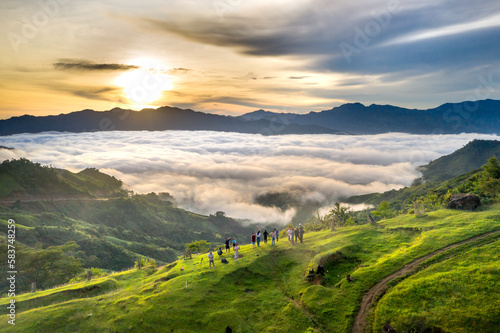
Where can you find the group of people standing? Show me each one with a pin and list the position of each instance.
(297, 233)
(255, 239)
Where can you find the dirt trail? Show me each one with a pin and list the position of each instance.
(369, 297)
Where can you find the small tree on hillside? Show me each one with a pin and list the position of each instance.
(338, 215)
(198, 246)
(383, 210)
(492, 168)
(317, 222)
(220, 214)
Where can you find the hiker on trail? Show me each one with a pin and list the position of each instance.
(236, 248)
(277, 234)
(219, 251)
(234, 242)
(289, 232)
(258, 237)
(253, 240)
(265, 236)
(296, 234)
(227, 241)
(211, 260)
(301, 233)
(273, 236)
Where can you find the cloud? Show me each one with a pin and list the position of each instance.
(100, 93)
(407, 37)
(83, 65)
(210, 171)
(178, 71)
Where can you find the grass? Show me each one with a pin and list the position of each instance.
(461, 294)
(267, 291)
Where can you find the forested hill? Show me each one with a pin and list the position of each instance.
(25, 179)
(455, 172)
(88, 216)
(472, 156)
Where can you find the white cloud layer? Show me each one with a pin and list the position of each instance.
(209, 171)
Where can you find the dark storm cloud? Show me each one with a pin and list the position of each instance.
(367, 37)
(83, 65)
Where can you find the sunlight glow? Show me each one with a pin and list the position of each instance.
(145, 84)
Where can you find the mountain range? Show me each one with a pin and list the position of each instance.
(354, 118)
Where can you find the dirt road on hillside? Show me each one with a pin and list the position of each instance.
(369, 297)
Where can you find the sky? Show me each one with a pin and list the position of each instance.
(211, 171)
(234, 56)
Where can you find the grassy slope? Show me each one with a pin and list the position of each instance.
(472, 156)
(468, 289)
(266, 290)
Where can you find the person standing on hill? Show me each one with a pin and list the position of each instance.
(234, 242)
(289, 232)
(296, 234)
(253, 240)
(301, 233)
(236, 249)
(277, 234)
(211, 260)
(227, 241)
(273, 236)
(265, 236)
(258, 238)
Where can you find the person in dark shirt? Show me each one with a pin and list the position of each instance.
(265, 235)
(301, 233)
(253, 240)
(227, 241)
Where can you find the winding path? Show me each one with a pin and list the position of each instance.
(369, 297)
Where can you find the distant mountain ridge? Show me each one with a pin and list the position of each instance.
(163, 118)
(354, 118)
(451, 118)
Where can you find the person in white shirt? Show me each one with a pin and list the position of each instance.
(289, 231)
(211, 260)
(236, 248)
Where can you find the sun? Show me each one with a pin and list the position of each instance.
(145, 84)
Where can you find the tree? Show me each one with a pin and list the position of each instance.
(317, 222)
(220, 214)
(492, 168)
(198, 246)
(50, 266)
(383, 210)
(338, 215)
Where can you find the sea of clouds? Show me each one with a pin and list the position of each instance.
(210, 171)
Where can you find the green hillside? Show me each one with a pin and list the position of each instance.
(110, 227)
(470, 157)
(23, 179)
(267, 290)
(112, 234)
